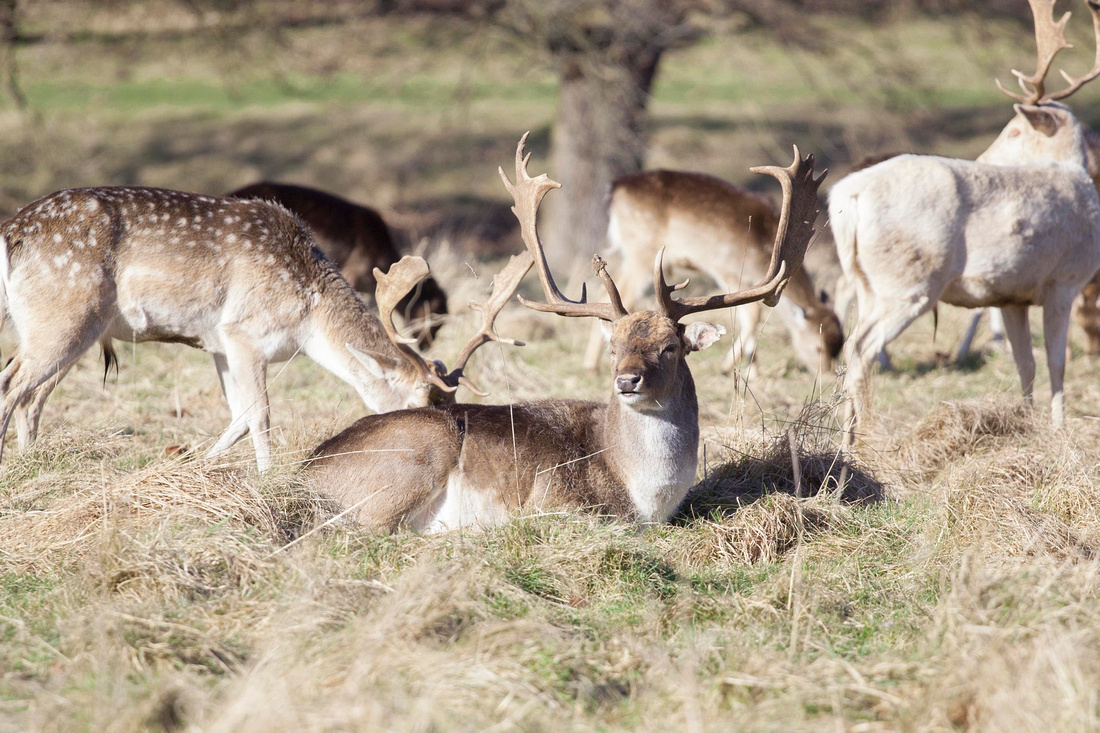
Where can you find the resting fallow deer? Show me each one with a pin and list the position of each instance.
(240, 279)
(357, 240)
(440, 468)
(726, 232)
(1019, 226)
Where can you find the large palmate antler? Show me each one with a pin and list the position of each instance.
(392, 286)
(1050, 38)
(405, 274)
(792, 237)
(527, 193)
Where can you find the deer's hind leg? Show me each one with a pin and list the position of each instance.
(1019, 338)
(880, 322)
(48, 348)
(1057, 308)
(29, 411)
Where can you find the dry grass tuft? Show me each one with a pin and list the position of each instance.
(164, 494)
(754, 507)
(818, 466)
(762, 531)
(50, 467)
(1009, 660)
(953, 430)
(1022, 501)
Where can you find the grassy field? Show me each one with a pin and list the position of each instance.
(141, 588)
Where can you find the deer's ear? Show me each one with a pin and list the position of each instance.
(606, 329)
(369, 362)
(700, 335)
(1046, 120)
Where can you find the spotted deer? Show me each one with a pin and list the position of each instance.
(240, 279)
(1020, 226)
(357, 240)
(725, 232)
(440, 468)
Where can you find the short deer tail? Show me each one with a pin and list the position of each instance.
(110, 358)
(844, 221)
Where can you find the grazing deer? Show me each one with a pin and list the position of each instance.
(357, 240)
(440, 468)
(240, 279)
(1019, 226)
(726, 232)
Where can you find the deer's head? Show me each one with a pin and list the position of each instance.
(1043, 130)
(649, 348)
(421, 382)
(819, 335)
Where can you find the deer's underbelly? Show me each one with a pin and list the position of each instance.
(465, 506)
(975, 292)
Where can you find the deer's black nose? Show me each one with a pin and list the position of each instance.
(628, 382)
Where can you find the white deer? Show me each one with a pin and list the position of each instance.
(240, 279)
(1018, 227)
(635, 456)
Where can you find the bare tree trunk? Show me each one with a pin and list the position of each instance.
(598, 136)
(9, 32)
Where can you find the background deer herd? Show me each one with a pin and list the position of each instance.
(242, 278)
(619, 535)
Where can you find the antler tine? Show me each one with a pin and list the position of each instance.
(1075, 84)
(1050, 38)
(504, 284)
(600, 268)
(392, 287)
(792, 237)
(528, 193)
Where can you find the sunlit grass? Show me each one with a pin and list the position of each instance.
(142, 587)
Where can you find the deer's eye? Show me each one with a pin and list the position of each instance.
(670, 349)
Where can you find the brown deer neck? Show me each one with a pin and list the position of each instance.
(655, 453)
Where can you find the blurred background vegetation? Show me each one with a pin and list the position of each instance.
(409, 105)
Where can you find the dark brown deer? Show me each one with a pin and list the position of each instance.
(635, 456)
(357, 240)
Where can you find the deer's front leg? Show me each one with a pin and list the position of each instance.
(1019, 338)
(1056, 312)
(744, 342)
(242, 372)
